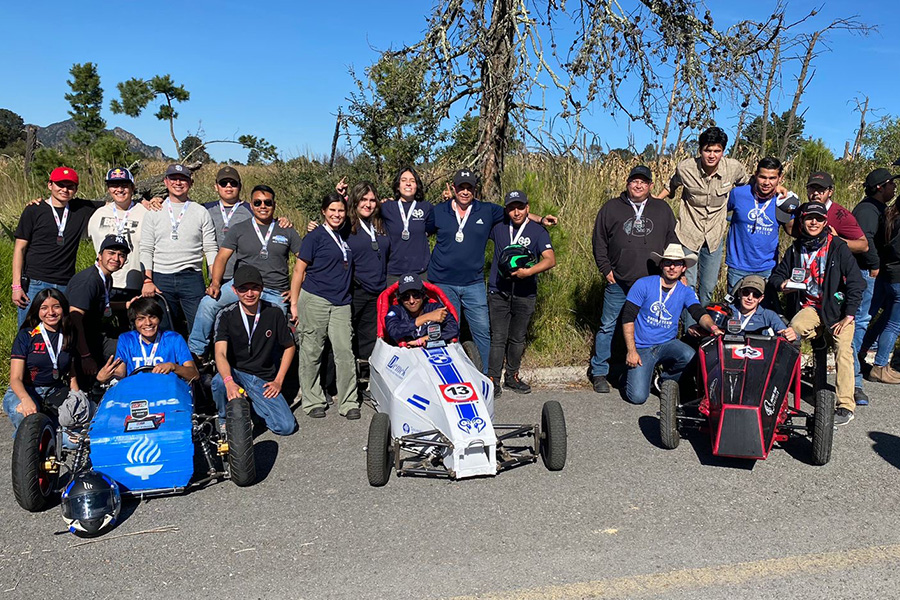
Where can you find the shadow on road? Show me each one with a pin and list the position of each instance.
(698, 440)
(266, 452)
(887, 446)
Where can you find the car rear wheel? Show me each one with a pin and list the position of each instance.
(823, 427)
(669, 397)
(554, 439)
(34, 480)
(472, 352)
(239, 432)
(378, 450)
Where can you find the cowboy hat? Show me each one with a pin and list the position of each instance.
(676, 252)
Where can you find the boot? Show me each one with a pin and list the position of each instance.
(884, 374)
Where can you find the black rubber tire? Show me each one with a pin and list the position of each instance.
(823, 427)
(378, 450)
(35, 442)
(472, 352)
(669, 398)
(239, 433)
(554, 439)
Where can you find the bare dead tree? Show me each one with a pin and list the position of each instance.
(774, 70)
(672, 100)
(862, 108)
(334, 140)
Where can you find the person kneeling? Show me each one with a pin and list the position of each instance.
(254, 349)
(650, 323)
(410, 323)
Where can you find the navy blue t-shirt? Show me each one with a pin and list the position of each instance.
(462, 263)
(412, 255)
(535, 238)
(753, 234)
(369, 266)
(29, 346)
(326, 275)
(657, 319)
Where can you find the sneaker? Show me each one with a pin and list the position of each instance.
(498, 390)
(884, 374)
(318, 412)
(842, 416)
(601, 385)
(352, 415)
(515, 384)
(859, 396)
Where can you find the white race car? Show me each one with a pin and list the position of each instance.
(435, 412)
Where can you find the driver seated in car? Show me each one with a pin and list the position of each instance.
(753, 318)
(409, 320)
(147, 346)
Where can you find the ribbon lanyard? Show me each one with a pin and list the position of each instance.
(264, 251)
(745, 320)
(175, 223)
(120, 225)
(107, 311)
(148, 360)
(808, 263)
(336, 241)
(54, 356)
(669, 295)
(226, 218)
(461, 221)
(60, 225)
(245, 319)
(638, 212)
(405, 218)
(371, 232)
(514, 238)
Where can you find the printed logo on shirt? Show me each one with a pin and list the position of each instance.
(638, 227)
(662, 314)
(268, 333)
(280, 239)
(525, 241)
(418, 214)
(759, 221)
(128, 227)
(479, 222)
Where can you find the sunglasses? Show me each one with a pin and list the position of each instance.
(815, 218)
(751, 292)
(411, 296)
(267, 202)
(68, 185)
(229, 183)
(118, 184)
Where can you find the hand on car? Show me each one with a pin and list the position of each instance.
(789, 334)
(418, 341)
(149, 289)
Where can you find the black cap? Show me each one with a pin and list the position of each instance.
(821, 179)
(786, 209)
(228, 172)
(410, 281)
(879, 177)
(813, 208)
(178, 170)
(245, 274)
(465, 176)
(641, 171)
(515, 196)
(119, 242)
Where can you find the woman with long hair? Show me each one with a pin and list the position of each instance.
(408, 220)
(41, 365)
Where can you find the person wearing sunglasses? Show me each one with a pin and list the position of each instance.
(409, 321)
(754, 318)
(821, 279)
(228, 210)
(262, 242)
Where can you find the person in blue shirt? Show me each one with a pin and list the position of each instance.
(511, 300)
(408, 321)
(754, 318)
(650, 323)
(408, 221)
(148, 346)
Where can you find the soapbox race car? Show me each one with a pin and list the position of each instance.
(144, 435)
(435, 411)
(744, 381)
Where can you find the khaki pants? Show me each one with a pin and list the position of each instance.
(808, 325)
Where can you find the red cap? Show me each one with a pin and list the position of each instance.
(64, 174)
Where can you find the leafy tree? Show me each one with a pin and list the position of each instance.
(12, 127)
(136, 94)
(260, 149)
(814, 155)
(112, 151)
(776, 128)
(193, 147)
(881, 141)
(86, 100)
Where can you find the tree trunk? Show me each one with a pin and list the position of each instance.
(334, 140)
(665, 133)
(857, 144)
(770, 84)
(30, 145)
(497, 76)
(801, 87)
(737, 134)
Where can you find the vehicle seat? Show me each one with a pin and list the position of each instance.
(388, 298)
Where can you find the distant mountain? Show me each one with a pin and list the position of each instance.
(57, 136)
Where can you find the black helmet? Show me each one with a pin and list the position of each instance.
(515, 257)
(91, 503)
(719, 313)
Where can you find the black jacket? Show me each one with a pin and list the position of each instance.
(841, 275)
(869, 214)
(625, 250)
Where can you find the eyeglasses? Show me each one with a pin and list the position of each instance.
(267, 202)
(411, 296)
(229, 183)
(751, 292)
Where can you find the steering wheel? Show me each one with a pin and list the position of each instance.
(144, 369)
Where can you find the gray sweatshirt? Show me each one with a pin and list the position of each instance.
(196, 237)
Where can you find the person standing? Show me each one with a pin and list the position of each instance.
(408, 221)
(628, 230)
(228, 211)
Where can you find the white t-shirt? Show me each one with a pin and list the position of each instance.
(103, 223)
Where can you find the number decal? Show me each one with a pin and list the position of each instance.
(459, 392)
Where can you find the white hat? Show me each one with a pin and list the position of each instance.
(676, 252)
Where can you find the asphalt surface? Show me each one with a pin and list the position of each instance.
(624, 519)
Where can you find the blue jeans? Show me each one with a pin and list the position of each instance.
(673, 355)
(11, 404)
(274, 411)
(887, 327)
(183, 291)
(613, 301)
(210, 307)
(473, 300)
(35, 286)
(863, 318)
(707, 271)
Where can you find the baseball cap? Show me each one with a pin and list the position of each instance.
(408, 282)
(879, 177)
(465, 176)
(119, 242)
(641, 171)
(228, 172)
(178, 170)
(119, 174)
(515, 196)
(754, 282)
(821, 179)
(64, 174)
(786, 209)
(813, 208)
(245, 274)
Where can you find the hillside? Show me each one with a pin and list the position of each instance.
(57, 135)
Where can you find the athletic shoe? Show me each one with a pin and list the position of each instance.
(884, 374)
(353, 414)
(842, 416)
(515, 384)
(318, 412)
(498, 390)
(860, 397)
(601, 385)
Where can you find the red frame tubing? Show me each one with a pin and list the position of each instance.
(388, 298)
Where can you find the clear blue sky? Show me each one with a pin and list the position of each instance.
(280, 69)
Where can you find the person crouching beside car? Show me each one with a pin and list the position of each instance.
(511, 298)
(650, 323)
(409, 321)
(819, 270)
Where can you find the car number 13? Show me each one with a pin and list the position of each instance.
(458, 392)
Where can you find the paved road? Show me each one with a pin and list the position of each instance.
(624, 519)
